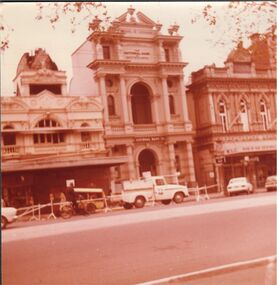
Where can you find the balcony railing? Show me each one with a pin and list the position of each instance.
(145, 128)
(89, 146)
(10, 149)
(42, 149)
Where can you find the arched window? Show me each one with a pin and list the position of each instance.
(9, 138)
(47, 123)
(263, 112)
(48, 137)
(111, 105)
(244, 116)
(171, 105)
(147, 162)
(141, 104)
(223, 115)
(85, 136)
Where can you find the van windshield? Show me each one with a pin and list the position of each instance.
(160, 181)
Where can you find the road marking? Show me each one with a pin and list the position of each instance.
(131, 218)
(220, 269)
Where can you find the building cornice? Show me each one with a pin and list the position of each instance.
(103, 62)
(249, 80)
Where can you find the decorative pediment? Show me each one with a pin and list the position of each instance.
(138, 18)
(45, 100)
(83, 104)
(13, 104)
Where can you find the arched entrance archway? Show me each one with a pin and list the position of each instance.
(141, 104)
(147, 162)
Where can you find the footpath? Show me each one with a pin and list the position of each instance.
(33, 219)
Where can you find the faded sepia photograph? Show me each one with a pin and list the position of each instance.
(138, 143)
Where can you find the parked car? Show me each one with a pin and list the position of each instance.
(238, 185)
(271, 183)
(8, 215)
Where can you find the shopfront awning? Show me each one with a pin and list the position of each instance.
(60, 161)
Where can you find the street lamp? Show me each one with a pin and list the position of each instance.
(219, 159)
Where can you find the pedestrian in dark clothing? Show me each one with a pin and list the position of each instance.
(71, 196)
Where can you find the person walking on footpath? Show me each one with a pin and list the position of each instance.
(71, 196)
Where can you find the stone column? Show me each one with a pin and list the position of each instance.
(184, 104)
(129, 102)
(165, 100)
(104, 98)
(131, 164)
(212, 110)
(190, 161)
(124, 103)
(119, 50)
(156, 108)
(172, 166)
(161, 52)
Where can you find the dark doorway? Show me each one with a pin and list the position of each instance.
(147, 162)
(141, 104)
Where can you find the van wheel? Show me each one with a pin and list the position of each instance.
(139, 202)
(166, 202)
(178, 197)
(4, 223)
(90, 208)
(127, 206)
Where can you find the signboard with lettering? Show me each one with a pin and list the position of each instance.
(149, 139)
(220, 159)
(249, 146)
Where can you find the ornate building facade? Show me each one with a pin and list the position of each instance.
(235, 115)
(49, 137)
(138, 74)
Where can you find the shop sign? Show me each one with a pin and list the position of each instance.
(70, 182)
(220, 159)
(137, 53)
(250, 146)
(149, 139)
(211, 174)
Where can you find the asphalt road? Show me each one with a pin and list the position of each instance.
(133, 249)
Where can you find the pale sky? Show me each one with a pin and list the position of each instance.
(60, 43)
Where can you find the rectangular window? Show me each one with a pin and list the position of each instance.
(61, 136)
(35, 138)
(42, 138)
(49, 138)
(106, 52)
(264, 120)
(55, 138)
(166, 53)
(223, 122)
